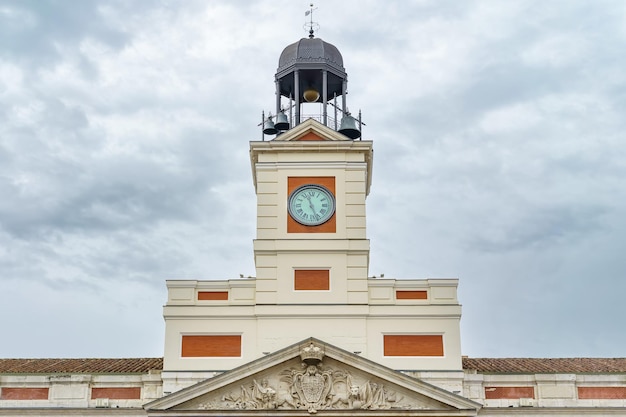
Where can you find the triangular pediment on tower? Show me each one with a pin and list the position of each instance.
(311, 129)
(313, 377)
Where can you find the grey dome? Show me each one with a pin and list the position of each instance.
(311, 71)
(310, 51)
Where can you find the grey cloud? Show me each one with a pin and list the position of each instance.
(32, 31)
(540, 228)
(108, 195)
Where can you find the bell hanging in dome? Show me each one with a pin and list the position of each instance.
(268, 127)
(311, 95)
(349, 127)
(282, 123)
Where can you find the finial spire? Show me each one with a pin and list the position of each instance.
(311, 25)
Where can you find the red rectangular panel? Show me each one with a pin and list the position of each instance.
(602, 393)
(310, 136)
(8, 393)
(411, 295)
(509, 393)
(211, 346)
(413, 345)
(117, 393)
(212, 295)
(311, 279)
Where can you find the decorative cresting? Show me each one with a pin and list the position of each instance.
(313, 387)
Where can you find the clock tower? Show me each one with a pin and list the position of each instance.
(311, 247)
(312, 173)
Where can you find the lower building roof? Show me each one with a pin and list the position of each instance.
(545, 365)
(479, 365)
(89, 365)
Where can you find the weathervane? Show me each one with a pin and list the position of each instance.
(311, 25)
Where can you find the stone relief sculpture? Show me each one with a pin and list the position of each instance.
(310, 387)
(313, 387)
(264, 394)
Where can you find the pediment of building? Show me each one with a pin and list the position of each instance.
(313, 377)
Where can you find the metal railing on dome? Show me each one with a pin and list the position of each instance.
(330, 121)
(347, 125)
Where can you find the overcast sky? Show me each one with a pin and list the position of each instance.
(500, 158)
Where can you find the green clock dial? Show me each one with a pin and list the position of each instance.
(311, 204)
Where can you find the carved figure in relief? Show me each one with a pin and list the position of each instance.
(376, 397)
(287, 395)
(264, 395)
(345, 394)
(240, 401)
(286, 399)
(354, 397)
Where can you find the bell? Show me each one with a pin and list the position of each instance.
(349, 127)
(311, 95)
(282, 123)
(269, 128)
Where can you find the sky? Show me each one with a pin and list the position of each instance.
(500, 159)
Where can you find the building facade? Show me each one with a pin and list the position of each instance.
(312, 332)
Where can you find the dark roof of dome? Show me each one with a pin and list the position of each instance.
(311, 50)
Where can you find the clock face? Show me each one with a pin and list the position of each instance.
(311, 204)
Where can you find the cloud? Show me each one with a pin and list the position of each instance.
(40, 33)
(541, 228)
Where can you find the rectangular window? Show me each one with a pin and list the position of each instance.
(411, 295)
(117, 393)
(413, 345)
(8, 393)
(218, 346)
(311, 279)
(212, 295)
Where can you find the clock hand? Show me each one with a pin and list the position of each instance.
(310, 203)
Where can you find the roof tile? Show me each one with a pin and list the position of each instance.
(545, 365)
(481, 365)
(91, 365)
